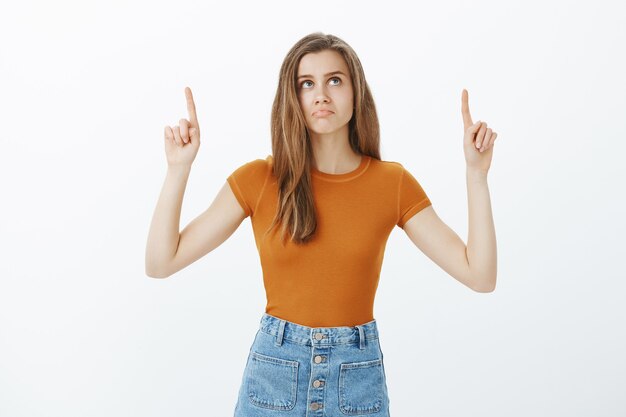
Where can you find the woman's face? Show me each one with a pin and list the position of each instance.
(324, 83)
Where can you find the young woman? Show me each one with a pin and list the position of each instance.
(322, 207)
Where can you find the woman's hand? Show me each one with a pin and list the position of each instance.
(182, 143)
(477, 140)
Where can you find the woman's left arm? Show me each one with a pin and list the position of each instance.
(481, 241)
(474, 264)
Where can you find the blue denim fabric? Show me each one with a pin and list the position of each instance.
(299, 371)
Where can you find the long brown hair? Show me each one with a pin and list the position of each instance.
(291, 144)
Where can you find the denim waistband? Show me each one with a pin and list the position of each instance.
(318, 336)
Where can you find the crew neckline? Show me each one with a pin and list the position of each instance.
(365, 161)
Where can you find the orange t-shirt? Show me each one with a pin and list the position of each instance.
(331, 280)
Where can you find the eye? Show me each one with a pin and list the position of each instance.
(308, 81)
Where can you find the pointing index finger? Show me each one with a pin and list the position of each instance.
(467, 118)
(191, 107)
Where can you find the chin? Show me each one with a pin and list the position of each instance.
(323, 131)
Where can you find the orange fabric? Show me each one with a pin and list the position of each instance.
(332, 280)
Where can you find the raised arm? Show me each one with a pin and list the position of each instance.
(475, 265)
(167, 249)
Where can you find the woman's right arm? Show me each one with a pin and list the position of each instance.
(167, 250)
(163, 236)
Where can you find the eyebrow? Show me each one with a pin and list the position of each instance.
(325, 75)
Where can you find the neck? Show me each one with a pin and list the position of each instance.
(332, 153)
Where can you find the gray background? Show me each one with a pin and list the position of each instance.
(86, 89)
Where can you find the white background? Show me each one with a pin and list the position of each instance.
(86, 89)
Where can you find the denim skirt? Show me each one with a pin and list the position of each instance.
(298, 371)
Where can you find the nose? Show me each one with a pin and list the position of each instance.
(321, 96)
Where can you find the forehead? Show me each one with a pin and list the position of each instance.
(322, 62)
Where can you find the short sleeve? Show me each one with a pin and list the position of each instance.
(411, 197)
(247, 183)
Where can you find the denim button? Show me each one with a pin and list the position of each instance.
(319, 336)
(317, 383)
(316, 406)
(317, 359)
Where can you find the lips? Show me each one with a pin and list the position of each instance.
(322, 113)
